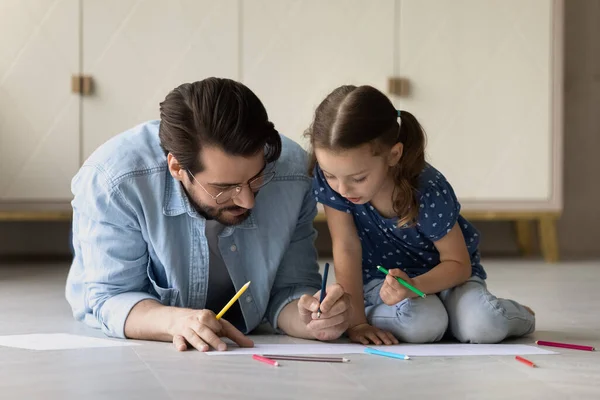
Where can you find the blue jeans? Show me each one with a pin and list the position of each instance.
(469, 312)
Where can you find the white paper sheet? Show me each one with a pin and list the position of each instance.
(59, 341)
(424, 350)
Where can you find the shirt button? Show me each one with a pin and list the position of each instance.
(248, 299)
(233, 247)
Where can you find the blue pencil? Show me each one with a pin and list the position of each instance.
(386, 354)
(323, 286)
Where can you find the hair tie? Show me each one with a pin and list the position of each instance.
(398, 111)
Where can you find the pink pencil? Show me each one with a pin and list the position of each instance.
(564, 345)
(265, 360)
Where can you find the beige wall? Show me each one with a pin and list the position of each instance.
(579, 228)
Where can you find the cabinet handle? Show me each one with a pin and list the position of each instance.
(398, 86)
(82, 84)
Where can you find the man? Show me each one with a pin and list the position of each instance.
(172, 217)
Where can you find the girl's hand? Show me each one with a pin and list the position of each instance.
(365, 334)
(392, 292)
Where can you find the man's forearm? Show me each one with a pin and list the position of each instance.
(149, 320)
(290, 322)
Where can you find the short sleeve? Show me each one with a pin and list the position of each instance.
(439, 209)
(325, 195)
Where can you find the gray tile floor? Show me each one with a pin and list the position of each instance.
(565, 297)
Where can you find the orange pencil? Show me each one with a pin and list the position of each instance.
(525, 361)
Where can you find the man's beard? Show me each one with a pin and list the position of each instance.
(218, 214)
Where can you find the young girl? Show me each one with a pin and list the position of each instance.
(386, 206)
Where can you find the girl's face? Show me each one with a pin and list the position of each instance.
(357, 174)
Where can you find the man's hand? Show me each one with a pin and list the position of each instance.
(365, 334)
(392, 292)
(335, 313)
(202, 330)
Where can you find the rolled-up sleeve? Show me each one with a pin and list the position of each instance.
(298, 272)
(113, 274)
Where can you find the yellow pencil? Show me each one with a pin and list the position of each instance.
(233, 300)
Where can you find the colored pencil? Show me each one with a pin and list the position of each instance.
(307, 358)
(525, 361)
(323, 287)
(564, 345)
(369, 350)
(233, 300)
(403, 282)
(265, 360)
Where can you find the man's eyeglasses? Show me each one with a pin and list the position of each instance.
(255, 184)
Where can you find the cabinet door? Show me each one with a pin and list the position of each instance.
(39, 116)
(295, 53)
(481, 81)
(138, 51)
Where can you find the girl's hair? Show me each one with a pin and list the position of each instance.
(352, 116)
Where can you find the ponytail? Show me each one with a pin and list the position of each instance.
(406, 173)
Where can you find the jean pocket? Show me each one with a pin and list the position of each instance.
(167, 296)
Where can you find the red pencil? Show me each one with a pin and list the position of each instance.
(564, 345)
(525, 361)
(265, 360)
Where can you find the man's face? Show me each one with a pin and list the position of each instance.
(222, 174)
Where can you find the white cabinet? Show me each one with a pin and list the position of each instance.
(484, 84)
(138, 51)
(484, 79)
(295, 53)
(39, 117)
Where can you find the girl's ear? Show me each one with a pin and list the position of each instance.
(395, 154)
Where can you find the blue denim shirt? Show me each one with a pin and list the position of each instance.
(136, 237)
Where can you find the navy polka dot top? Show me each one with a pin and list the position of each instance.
(408, 248)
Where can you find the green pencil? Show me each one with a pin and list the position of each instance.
(403, 282)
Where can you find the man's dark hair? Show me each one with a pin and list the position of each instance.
(215, 112)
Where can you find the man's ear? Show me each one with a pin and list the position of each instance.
(175, 168)
(395, 154)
